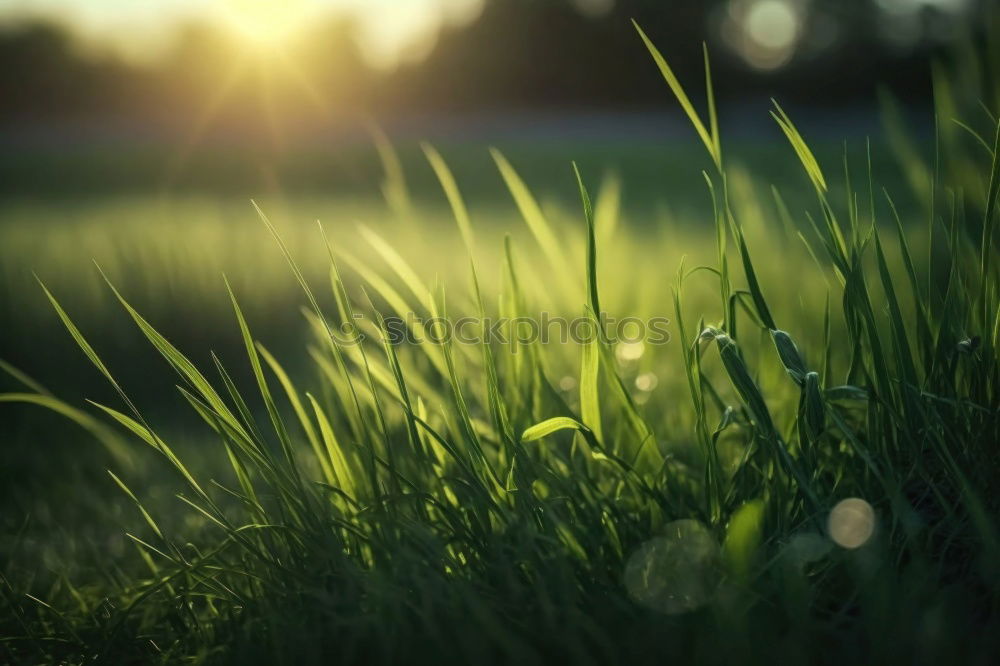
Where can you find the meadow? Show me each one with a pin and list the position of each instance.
(202, 469)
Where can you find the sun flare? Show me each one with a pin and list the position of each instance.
(267, 24)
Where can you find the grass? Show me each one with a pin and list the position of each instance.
(539, 502)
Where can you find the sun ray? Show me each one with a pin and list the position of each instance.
(265, 93)
(204, 120)
(276, 134)
(301, 79)
(262, 59)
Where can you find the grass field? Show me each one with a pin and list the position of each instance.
(802, 471)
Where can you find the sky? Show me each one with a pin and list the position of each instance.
(140, 30)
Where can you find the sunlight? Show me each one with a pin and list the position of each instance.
(388, 31)
(267, 24)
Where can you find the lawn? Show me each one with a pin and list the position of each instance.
(202, 462)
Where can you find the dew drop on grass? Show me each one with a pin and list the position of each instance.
(677, 572)
(851, 523)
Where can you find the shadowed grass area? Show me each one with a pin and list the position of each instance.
(599, 500)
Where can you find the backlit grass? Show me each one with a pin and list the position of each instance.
(803, 472)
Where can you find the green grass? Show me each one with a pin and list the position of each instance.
(538, 502)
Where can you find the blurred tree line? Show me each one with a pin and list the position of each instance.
(518, 54)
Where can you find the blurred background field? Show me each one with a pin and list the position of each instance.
(135, 134)
(169, 249)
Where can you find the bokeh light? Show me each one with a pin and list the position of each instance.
(388, 31)
(647, 381)
(772, 25)
(804, 549)
(675, 573)
(905, 24)
(594, 8)
(765, 33)
(629, 351)
(851, 523)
